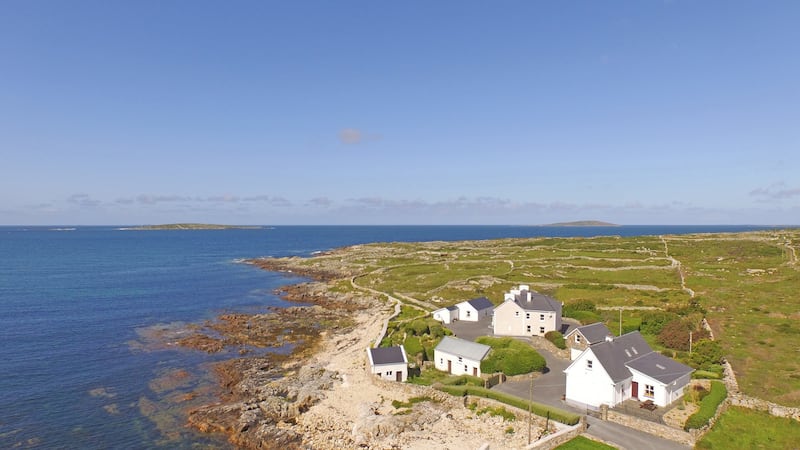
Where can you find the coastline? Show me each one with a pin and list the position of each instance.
(321, 395)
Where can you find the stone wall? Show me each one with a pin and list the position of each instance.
(656, 429)
(552, 441)
(763, 405)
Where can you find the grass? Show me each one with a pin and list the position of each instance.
(743, 281)
(582, 443)
(510, 356)
(536, 408)
(708, 406)
(745, 428)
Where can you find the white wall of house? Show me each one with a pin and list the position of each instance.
(511, 320)
(467, 312)
(661, 394)
(444, 315)
(389, 371)
(574, 353)
(456, 365)
(590, 386)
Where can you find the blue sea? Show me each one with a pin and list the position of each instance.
(78, 367)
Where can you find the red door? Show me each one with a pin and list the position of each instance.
(635, 389)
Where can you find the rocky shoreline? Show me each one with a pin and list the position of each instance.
(320, 395)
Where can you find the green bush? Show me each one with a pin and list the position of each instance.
(418, 327)
(706, 354)
(537, 408)
(556, 338)
(510, 356)
(708, 406)
(654, 321)
(413, 346)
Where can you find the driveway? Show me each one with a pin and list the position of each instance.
(471, 330)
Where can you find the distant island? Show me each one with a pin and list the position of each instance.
(191, 226)
(582, 223)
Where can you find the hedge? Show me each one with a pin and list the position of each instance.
(510, 356)
(556, 338)
(708, 407)
(537, 408)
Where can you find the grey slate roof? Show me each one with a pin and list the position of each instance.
(538, 302)
(452, 308)
(658, 366)
(632, 350)
(614, 355)
(594, 333)
(465, 349)
(481, 303)
(388, 355)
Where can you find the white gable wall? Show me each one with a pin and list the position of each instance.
(663, 394)
(509, 320)
(592, 386)
(467, 312)
(444, 315)
(457, 365)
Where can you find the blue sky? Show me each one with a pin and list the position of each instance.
(365, 112)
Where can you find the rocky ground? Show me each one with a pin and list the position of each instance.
(321, 396)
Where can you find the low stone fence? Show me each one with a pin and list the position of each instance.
(765, 406)
(567, 433)
(656, 429)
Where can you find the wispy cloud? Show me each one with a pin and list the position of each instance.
(351, 136)
(323, 202)
(83, 201)
(774, 192)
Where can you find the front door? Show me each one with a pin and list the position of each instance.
(449, 366)
(474, 371)
(399, 376)
(635, 389)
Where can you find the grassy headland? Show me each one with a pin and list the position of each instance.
(745, 284)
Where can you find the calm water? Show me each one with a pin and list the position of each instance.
(74, 304)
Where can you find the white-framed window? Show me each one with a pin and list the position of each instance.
(469, 313)
(460, 359)
(388, 373)
(466, 368)
(516, 313)
(649, 391)
(529, 329)
(541, 316)
(578, 338)
(541, 330)
(527, 315)
(588, 363)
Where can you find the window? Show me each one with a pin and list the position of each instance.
(459, 359)
(588, 363)
(649, 391)
(516, 314)
(388, 373)
(529, 329)
(541, 330)
(541, 316)
(527, 315)
(468, 313)
(466, 368)
(578, 338)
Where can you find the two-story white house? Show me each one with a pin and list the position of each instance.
(617, 369)
(459, 357)
(526, 313)
(388, 363)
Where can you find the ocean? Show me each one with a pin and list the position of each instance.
(78, 365)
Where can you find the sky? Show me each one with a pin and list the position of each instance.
(370, 112)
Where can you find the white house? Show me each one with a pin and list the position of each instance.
(459, 357)
(526, 313)
(579, 339)
(470, 310)
(446, 315)
(388, 363)
(475, 309)
(621, 368)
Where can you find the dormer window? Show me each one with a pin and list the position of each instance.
(589, 364)
(578, 338)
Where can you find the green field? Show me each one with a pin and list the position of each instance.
(746, 285)
(745, 428)
(582, 443)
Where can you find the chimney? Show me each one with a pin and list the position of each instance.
(609, 338)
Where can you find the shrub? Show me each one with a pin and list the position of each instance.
(510, 356)
(706, 354)
(556, 338)
(580, 305)
(675, 334)
(537, 408)
(413, 346)
(418, 327)
(653, 322)
(708, 406)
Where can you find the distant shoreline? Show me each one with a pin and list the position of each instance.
(581, 223)
(191, 226)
